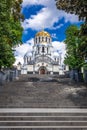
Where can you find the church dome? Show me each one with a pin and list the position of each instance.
(43, 34)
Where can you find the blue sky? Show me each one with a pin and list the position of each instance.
(41, 14)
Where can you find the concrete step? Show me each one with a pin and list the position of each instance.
(43, 118)
(37, 118)
(54, 124)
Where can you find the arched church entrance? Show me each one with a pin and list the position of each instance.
(42, 70)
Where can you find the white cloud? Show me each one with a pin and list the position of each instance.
(36, 2)
(53, 35)
(43, 18)
(59, 26)
(31, 41)
(22, 49)
(59, 48)
(28, 2)
(19, 59)
(47, 16)
(58, 45)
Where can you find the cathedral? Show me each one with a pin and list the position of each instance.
(42, 59)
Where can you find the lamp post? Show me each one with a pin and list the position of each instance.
(85, 59)
(85, 70)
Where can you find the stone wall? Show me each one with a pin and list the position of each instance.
(9, 75)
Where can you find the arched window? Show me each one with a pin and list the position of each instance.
(27, 59)
(42, 39)
(49, 40)
(36, 39)
(38, 50)
(47, 50)
(43, 49)
(46, 39)
(39, 39)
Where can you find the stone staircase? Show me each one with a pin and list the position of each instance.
(43, 119)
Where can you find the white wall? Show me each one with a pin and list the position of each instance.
(55, 68)
(30, 68)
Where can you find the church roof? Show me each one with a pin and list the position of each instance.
(43, 33)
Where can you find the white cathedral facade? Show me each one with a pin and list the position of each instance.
(42, 59)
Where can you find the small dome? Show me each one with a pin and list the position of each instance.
(28, 54)
(55, 54)
(43, 33)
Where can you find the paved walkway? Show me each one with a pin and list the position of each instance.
(43, 91)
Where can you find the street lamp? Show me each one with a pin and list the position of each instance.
(85, 59)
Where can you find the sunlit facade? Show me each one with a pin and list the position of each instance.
(42, 59)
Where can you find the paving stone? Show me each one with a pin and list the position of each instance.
(40, 91)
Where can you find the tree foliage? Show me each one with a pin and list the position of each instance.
(77, 40)
(10, 28)
(78, 7)
(6, 55)
(83, 36)
(74, 57)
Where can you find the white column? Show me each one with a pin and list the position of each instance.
(47, 40)
(60, 58)
(26, 60)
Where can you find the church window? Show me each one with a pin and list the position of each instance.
(42, 39)
(36, 39)
(42, 49)
(49, 40)
(27, 59)
(38, 50)
(47, 49)
(46, 39)
(39, 39)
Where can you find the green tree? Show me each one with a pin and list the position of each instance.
(78, 7)
(10, 29)
(10, 17)
(83, 36)
(6, 55)
(15, 22)
(74, 57)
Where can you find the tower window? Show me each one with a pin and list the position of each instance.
(49, 40)
(42, 49)
(47, 49)
(38, 50)
(42, 39)
(39, 39)
(27, 59)
(46, 39)
(36, 39)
